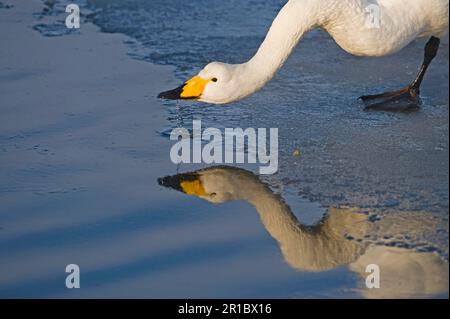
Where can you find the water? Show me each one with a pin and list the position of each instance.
(360, 158)
(149, 241)
(349, 156)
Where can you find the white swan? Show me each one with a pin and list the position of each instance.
(396, 23)
(405, 272)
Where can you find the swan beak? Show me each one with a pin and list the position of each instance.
(189, 184)
(174, 94)
(191, 90)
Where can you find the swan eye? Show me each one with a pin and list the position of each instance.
(214, 79)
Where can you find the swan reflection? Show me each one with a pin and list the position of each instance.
(344, 237)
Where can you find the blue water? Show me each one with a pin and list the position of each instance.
(189, 35)
(312, 101)
(134, 238)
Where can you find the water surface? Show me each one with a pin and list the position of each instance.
(86, 189)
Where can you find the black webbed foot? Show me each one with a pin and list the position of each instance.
(407, 99)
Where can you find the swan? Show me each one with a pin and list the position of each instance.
(372, 28)
(325, 246)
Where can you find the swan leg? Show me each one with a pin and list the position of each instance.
(409, 97)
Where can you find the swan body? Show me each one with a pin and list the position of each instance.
(399, 22)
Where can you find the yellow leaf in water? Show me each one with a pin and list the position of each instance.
(297, 153)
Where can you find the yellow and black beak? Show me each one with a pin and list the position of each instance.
(189, 183)
(191, 90)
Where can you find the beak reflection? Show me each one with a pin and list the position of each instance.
(189, 184)
(176, 182)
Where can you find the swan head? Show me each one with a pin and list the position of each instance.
(217, 185)
(217, 83)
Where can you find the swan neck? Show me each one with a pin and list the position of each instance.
(315, 248)
(295, 19)
(275, 215)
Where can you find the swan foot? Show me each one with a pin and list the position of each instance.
(407, 99)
